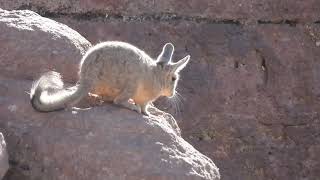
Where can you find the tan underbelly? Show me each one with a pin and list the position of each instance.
(105, 91)
(142, 96)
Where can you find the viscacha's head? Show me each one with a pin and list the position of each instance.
(168, 71)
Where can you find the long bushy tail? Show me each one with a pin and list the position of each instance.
(49, 94)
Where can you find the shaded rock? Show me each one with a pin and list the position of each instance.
(251, 94)
(31, 44)
(276, 11)
(104, 142)
(4, 161)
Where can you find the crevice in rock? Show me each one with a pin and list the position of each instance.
(285, 125)
(265, 123)
(13, 162)
(160, 17)
(236, 64)
(156, 17)
(289, 22)
(264, 67)
(94, 15)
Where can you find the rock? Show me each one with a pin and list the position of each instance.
(264, 10)
(31, 45)
(4, 162)
(104, 142)
(250, 95)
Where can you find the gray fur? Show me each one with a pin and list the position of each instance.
(117, 72)
(166, 54)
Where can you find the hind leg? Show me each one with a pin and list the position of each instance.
(123, 100)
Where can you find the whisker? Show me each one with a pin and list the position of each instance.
(180, 96)
(176, 105)
(176, 102)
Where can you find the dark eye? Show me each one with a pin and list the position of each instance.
(173, 78)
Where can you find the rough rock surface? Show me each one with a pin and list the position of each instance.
(250, 93)
(105, 142)
(4, 161)
(266, 10)
(101, 143)
(26, 38)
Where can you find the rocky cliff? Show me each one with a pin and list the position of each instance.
(250, 97)
(105, 142)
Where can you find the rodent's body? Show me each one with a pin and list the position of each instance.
(115, 71)
(118, 65)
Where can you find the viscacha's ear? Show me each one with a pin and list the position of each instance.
(178, 66)
(166, 54)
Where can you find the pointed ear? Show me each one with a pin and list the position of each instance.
(166, 54)
(178, 66)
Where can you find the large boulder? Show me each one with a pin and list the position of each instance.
(106, 142)
(251, 91)
(31, 45)
(250, 94)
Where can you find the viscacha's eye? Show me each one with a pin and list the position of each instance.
(173, 78)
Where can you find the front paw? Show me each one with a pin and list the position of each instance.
(136, 108)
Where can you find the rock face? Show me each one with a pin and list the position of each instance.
(250, 93)
(269, 10)
(26, 38)
(4, 161)
(104, 142)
